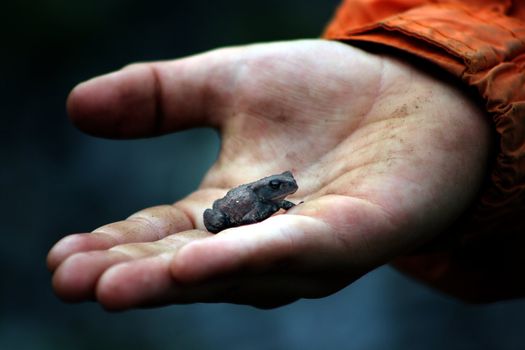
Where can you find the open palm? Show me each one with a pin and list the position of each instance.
(385, 157)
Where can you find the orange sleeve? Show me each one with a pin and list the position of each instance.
(482, 42)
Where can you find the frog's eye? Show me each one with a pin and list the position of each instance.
(275, 184)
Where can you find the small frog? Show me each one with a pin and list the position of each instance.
(251, 203)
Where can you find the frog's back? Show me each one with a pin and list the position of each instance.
(236, 203)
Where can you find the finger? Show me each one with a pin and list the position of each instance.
(275, 243)
(148, 282)
(147, 225)
(266, 291)
(149, 99)
(77, 276)
(267, 264)
(137, 283)
(75, 280)
(151, 281)
(332, 233)
(262, 291)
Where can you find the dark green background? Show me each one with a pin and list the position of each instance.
(56, 180)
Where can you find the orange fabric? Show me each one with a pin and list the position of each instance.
(482, 42)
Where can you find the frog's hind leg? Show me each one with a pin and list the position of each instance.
(215, 220)
(259, 214)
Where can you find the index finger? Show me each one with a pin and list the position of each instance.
(147, 225)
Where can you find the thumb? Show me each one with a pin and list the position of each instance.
(149, 99)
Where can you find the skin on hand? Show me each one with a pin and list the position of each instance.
(385, 156)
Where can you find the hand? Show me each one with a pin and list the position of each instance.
(385, 155)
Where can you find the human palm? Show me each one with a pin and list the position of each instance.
(385, 157)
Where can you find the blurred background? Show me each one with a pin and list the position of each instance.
(56, 180)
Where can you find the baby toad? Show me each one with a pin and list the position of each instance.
(251, 203)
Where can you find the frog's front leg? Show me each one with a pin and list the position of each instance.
(215, 220)
(286, 204)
